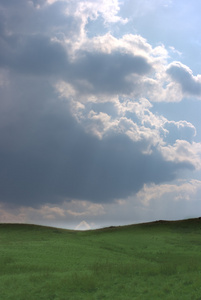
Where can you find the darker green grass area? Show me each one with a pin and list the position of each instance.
(158, 260)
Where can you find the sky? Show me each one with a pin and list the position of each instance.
(100, 107)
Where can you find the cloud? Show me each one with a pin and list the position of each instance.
(169, 201)
(39, 55)
(99, 65)
(65, 214)
(175, 51)
(36, 16)
(13, 216)
(181, 130)
(76, 113)
(190, 84)
(83, 208)
(47, 156)
(182, 190)
(107, 73)
(183, 152)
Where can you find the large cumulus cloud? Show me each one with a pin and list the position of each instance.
(76, 119)
(47, 156)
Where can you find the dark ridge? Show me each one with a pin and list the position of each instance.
(178, 223)
(33, 227)
(158, 223)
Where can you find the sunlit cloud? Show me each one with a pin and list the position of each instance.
(94, 114)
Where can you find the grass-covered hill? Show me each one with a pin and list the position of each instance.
(158, 260)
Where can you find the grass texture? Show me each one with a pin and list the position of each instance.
(158, 260)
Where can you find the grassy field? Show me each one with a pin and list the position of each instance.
(159, 260)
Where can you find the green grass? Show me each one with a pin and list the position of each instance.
(159, 260)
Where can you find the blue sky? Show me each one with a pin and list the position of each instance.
(99, 111)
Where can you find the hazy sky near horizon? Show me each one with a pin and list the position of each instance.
(100, 107)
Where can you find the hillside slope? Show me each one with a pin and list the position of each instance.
(158, 260)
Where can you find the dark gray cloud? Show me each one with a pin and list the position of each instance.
(181, 74)
(24, 18)
(46, 155)
(26, 33)
(107, 73)
(26, 46)
(38, 55)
